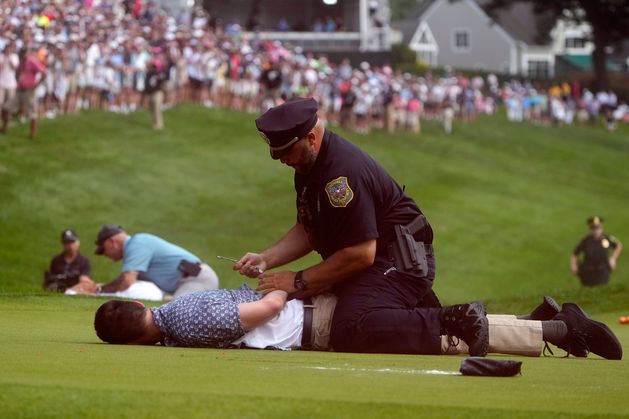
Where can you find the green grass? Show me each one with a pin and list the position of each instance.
(507, 202)
(54, 367)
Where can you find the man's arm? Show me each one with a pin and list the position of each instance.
(43, 73)
(574, 257)
(124, 281)
(292, 246)
(574, 264)
(615, 254)
(256, 313)
(338, 267)
(14, 61)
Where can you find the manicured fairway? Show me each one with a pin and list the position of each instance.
(507, 202)
(54, 367)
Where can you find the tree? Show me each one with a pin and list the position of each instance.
(401, 9)
(609, 20)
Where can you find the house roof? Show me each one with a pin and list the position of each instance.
(518, 20)
(408, 25)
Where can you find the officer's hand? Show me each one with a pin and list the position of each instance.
(612, 263)
(284, 281)
(574, 270)
(251, 265)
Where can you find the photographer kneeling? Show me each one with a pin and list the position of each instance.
(69, 269)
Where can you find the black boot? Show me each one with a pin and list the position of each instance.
(469, 323)
(586, 335)
(545, 311)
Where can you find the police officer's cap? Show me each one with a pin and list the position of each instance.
(107, 231)
(595, 221)
(284, 125)
(69, 236)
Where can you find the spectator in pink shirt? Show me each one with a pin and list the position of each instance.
(30, 73)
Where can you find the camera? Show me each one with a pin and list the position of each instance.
(60, 282)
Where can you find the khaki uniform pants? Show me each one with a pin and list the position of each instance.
(322, 313)
(507, 335)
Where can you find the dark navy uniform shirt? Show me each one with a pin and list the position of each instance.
(596, 251)
(348, 198)
(79, 266)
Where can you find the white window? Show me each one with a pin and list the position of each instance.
(460, 40)
(574, 42)
(538, 69)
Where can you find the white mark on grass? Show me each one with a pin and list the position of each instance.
(387, 370)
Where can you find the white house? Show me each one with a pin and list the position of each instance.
(462, 35)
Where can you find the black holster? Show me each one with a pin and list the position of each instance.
(407, 254)
(189, 268)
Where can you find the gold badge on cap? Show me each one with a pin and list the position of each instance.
(605, 243)
(265, 138)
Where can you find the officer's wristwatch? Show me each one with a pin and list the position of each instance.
(299, 284)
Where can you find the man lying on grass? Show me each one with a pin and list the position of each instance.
(243, 318)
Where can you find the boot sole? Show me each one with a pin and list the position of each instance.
(602, 336)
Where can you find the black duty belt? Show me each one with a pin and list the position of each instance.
(306, 337)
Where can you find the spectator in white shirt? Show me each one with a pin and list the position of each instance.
(8, 65)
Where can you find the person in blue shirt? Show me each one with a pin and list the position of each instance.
(147, 257)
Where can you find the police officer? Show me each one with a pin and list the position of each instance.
(597, 263)
(375, 243)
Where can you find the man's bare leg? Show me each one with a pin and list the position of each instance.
(33, 128)
(5, 121)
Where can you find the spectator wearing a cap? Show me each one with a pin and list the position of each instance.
(30, 74)
(147, 257)
(599, 253)
(348, 210)
(70, 267)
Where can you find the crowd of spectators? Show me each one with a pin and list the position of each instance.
(563, 104)
(108, 54)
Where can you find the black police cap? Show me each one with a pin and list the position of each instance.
(107, 231)
(284, 125)
(595, 221)
(69, 236)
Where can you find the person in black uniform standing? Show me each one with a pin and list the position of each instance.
(597, 263)
(375, 243)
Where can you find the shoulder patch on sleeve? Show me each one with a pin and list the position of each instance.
(339, 192)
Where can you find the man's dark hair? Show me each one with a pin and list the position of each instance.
(119, 322)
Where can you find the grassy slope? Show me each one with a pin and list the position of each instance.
(507, 203)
